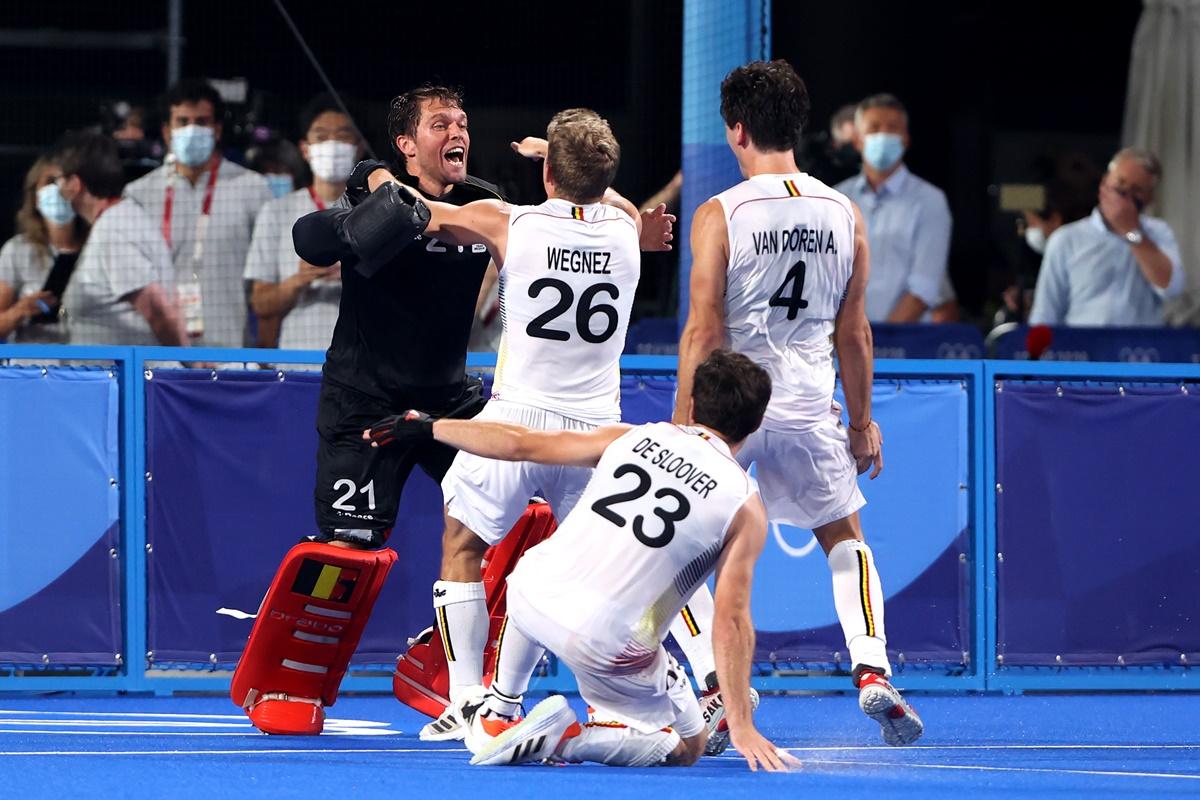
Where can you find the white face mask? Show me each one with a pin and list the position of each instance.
(332, 160)
(1035, 238)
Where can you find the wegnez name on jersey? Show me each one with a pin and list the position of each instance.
(679, 467)
(586, 262)
(798, 240)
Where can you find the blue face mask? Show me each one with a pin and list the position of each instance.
(279, 183)
(53, 206)
(193, 144)
(883, 150)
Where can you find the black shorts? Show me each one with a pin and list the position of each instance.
(358, 487)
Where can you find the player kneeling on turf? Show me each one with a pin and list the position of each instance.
(666, 506)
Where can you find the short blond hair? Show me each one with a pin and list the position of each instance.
(583, 154)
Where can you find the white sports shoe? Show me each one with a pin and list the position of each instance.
(880, 701)
(446, 728)
(712, 706)
(532, 739)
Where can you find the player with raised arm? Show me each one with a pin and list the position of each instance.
(779, 273)
(569, 269)
(667, 505)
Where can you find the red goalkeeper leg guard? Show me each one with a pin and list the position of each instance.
(422, 679)
(307, 629)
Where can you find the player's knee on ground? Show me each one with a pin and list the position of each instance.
(462, 553)
(689, 750)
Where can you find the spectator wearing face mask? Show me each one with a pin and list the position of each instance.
(296, 302)
(908, 221)
(1116, 266)
(280, 162)
(206, 207)
(49, 235)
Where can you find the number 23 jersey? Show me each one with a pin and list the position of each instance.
(791, 254)
(650, 527)
(566, 291)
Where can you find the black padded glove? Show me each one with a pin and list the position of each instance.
(382, 225)
(356, 185)
(411, 426)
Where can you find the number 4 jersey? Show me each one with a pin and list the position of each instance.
(566, 290)
(791, 253)
(650, 527)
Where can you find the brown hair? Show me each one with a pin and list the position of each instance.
(730, 394)
(583, 154)
(405, 111)
(30, 222)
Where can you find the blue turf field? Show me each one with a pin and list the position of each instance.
(1032, 746)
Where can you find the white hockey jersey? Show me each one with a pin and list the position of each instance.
(566, 292)
(791, 254)
(647, 531)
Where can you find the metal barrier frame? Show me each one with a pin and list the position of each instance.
(982, 673)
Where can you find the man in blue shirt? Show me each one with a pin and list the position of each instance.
(908, 219)
(1117, 266)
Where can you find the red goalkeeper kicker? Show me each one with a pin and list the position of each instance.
(422, 678)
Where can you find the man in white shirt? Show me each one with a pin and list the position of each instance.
(297, 302)
(205, 206)
(121, 291)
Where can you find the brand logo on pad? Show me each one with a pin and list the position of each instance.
(439, 592)
(325, 581)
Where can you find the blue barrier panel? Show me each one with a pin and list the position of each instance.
(1169, 345)
(1101, 551)
(230, 465)
(59, 517)
(998, 375)
(918, 523)
(927, 341)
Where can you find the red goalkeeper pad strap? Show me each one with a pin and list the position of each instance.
(310, 623)
(422, 679)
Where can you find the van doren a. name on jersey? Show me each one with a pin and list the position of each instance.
(798, 240)
(677, 466)
(587, 262)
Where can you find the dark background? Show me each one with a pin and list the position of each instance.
(990, 87)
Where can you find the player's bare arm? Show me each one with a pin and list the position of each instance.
(705, 328)
(733, 635)
(856, 360)
(500, 440)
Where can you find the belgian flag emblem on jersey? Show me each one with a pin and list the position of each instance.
(325, 581)
(576, 212)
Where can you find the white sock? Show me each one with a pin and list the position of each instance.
(462, 619)
(858, 596)
(620, 747)
(517, 656)
(692, 630)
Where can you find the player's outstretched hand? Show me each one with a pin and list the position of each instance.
(867, 448)
(410, 426)
(657, 229)
(531, 147)
(757, 751)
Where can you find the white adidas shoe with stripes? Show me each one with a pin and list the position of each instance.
(532, 739)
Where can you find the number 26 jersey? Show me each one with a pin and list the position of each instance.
(791, 254)
(566, 291)
(647, 531)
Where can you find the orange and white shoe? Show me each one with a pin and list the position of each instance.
(480, 722)
(534, 738)
(880, 701)
(283, 715)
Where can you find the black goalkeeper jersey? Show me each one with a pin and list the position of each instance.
(405, 329)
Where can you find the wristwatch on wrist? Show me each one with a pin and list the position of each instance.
(1134, 237)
